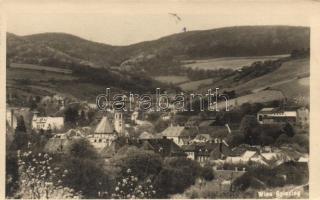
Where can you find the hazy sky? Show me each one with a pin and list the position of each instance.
(118, 23)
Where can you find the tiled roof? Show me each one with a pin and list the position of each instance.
(164, 147)
(173, 131)
(145, 135)
(207, 123)
(104, 126)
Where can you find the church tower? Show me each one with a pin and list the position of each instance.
(119, 123)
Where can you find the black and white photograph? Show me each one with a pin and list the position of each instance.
(175, 100)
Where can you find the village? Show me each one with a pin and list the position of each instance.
(262, 135)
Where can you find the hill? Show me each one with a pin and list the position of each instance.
(67, 49)
(95, 66)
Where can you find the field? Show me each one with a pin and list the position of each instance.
(260, 97)
(172, 79)
(18, 73)
(291, 70)
(194, 85)
(227, 62)
(33, 81)
(40, 68)
(298, 89)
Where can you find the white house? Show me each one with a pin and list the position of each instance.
(174, 132)
(47, 123)
(242, 159)
(276, 115)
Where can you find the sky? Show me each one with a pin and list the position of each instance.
(124, 23)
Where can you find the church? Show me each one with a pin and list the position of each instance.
(106, 132)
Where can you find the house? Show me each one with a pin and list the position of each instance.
(215, 132)
(166, 116)
(209, 122)
(60, 143)
(79, 132)
(104, 134)
(58, 99)
(163, 146)
(304, 159)
(276, 116)
(205, 152)
(174, 133)
(146, 135)
(193, 121)
(201, 138)
(47, 123)
(244, 158)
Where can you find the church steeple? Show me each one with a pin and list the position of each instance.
(119, 123)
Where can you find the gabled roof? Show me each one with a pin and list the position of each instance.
(207, 123)
(145, 135)
(164, 147)
(173, 131)
(248, 154)
(213, 131)
(214, 150)
(206, 137)
(58, 145)
(104, 126)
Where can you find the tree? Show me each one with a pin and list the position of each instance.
(71, 115)
(248, 123)
(207, 173)
(177, 175)
(235, 139)
(12, 174)
(86, 175)
(83, 118)
(82, 149)
(21, 138)
(21, 127)
(39, 179)
(171, 181)
(33, 104)
(288, 129)
(265, 139)
(282, 139)
(142, 163)
(85, 170)
(90, 114)
(129, 187)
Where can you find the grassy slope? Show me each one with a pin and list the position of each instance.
(290, 81)
(289, 70)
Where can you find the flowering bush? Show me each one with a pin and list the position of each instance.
(129, 187)
(38, 179)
